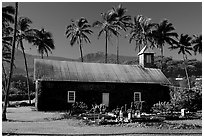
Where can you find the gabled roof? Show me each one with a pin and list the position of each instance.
(146, 49)
(96, 72)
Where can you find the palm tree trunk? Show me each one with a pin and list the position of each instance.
(26, 66)
(186, 71)
(137, 46)
(11, 65)
(117, 50)
(162, 55)
(5, 78)
(80, 48)
(41, 55)
(106, 52)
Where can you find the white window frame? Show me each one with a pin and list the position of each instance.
(139, 96)
(148, 59)
(68, 99)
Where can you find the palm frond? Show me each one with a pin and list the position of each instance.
(86, 38)
(197, 42)
(82, 21)
(100, 32)
(24, 23)
(73, 40)
(184, 45)
(43, 40)
(88, 31)
(114, 31)
(8, 14)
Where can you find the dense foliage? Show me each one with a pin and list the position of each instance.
(182, 98)
(175, 68)
(171, 68)
(18, 89)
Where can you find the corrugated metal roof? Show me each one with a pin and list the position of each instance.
(96, 72)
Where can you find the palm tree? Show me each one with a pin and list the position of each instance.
(24, 33)
(77, 31)
(141, 31)
(11, 64)
(108, 26)
(185, 47)
(197, 41)
(44, 41)
(164, 34)
(7, 19)
(123, 21)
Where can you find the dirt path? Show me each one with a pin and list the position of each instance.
(28, 114)
(24, 121)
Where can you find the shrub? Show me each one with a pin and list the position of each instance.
(79, 107)
(181, 98)
(185, 98)
(162, 107)
(98, 108)
(19, 97)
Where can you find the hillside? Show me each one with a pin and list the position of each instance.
(171, 68)
(92, 57)
(99, 57)
(20, 66)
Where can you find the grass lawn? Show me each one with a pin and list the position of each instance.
(25, 121)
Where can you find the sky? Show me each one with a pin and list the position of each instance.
(186, 17)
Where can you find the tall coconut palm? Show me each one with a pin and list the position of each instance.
(123, 21)
(24, 34)
(7, 19)
(77, 31)
(141, 31)
(108, 27)
(185, 47)
(11, 65)
(197, 41)
(44, 41)
(164, 34)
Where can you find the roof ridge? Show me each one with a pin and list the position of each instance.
(36, 59)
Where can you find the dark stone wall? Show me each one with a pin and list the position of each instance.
(53, 94)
